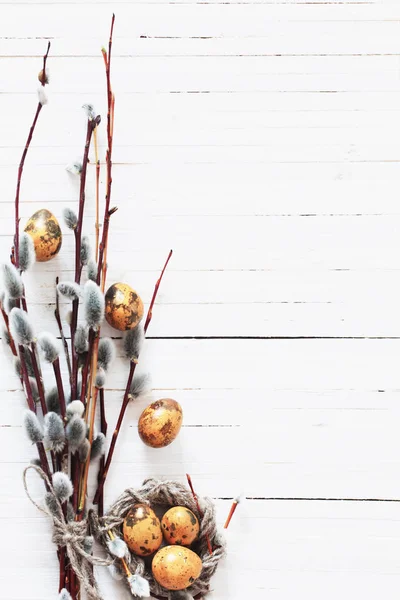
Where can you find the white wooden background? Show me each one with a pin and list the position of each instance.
(260, 140)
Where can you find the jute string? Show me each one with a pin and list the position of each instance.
(72, 535)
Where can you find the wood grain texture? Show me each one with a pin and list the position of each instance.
(260, 141)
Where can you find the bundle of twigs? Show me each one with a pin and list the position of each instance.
(61, 414)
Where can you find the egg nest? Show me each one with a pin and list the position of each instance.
(161, 496)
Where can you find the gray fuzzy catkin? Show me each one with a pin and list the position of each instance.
(84, 451)
(54, 432)
(21, 327)
(52, 505)
(33, 428)
(92, 269)
(98, 446)
(70, 218)
(36, 461)
(17, 366)
(76, 432)
(81, 339)
(9, 304)
(88, 543)
(140, 386)
(93, 304)
(86, 250)
(106, 353)
(69, 289)
(133, 341)
(117, 547)
(100, 378)
(12, 281)
(76, 407)
(50, 346)
(64, 595)
(5, 336)
(139, 586)
(89, 110)
(34, 389)
(52, 400)
(62, 486)
(27, 254)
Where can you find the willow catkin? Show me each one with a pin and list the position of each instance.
(62, 485)
(12, 281)
(21, 327)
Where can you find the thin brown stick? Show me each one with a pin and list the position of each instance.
(97, 223)
(189, 479)
(90, 418)
(22, 163)
(61, 330)
(110, 121)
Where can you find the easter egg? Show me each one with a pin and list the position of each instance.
(124, 307)
(142, 530)
(176, 567)
(45, 232)
(160, 423)
(180, 526)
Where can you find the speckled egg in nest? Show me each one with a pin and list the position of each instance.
(124, 307)
(45, 232)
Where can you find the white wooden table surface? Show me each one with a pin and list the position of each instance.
(259, 140)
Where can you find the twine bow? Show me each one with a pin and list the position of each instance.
(71, 535)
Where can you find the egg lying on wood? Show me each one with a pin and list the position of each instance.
(124, 307)
(180, 526)
(142, 530)
(160, 423)
(176, 567)
(45, 232)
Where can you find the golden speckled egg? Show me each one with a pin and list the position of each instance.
(124, 307)
(176, 567)
(160, 423)
(142, 530)
(180, 526)
(45, 232)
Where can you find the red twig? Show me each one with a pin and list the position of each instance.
(103, 429)
(22, 163)
(231, 513)
(126, 398)
(60, 388)
(150, 311)
(114, 438)
(189, 479)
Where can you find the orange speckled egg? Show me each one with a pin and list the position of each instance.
(124, 307)
(176, 567)
(180, 526)
(142, 530)
(45, 232)
(160, 423)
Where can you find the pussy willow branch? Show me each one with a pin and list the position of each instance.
(22, 163)
(61, 330)
(7, 325)
(126, 398)
(78, 264)
(110, 128)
